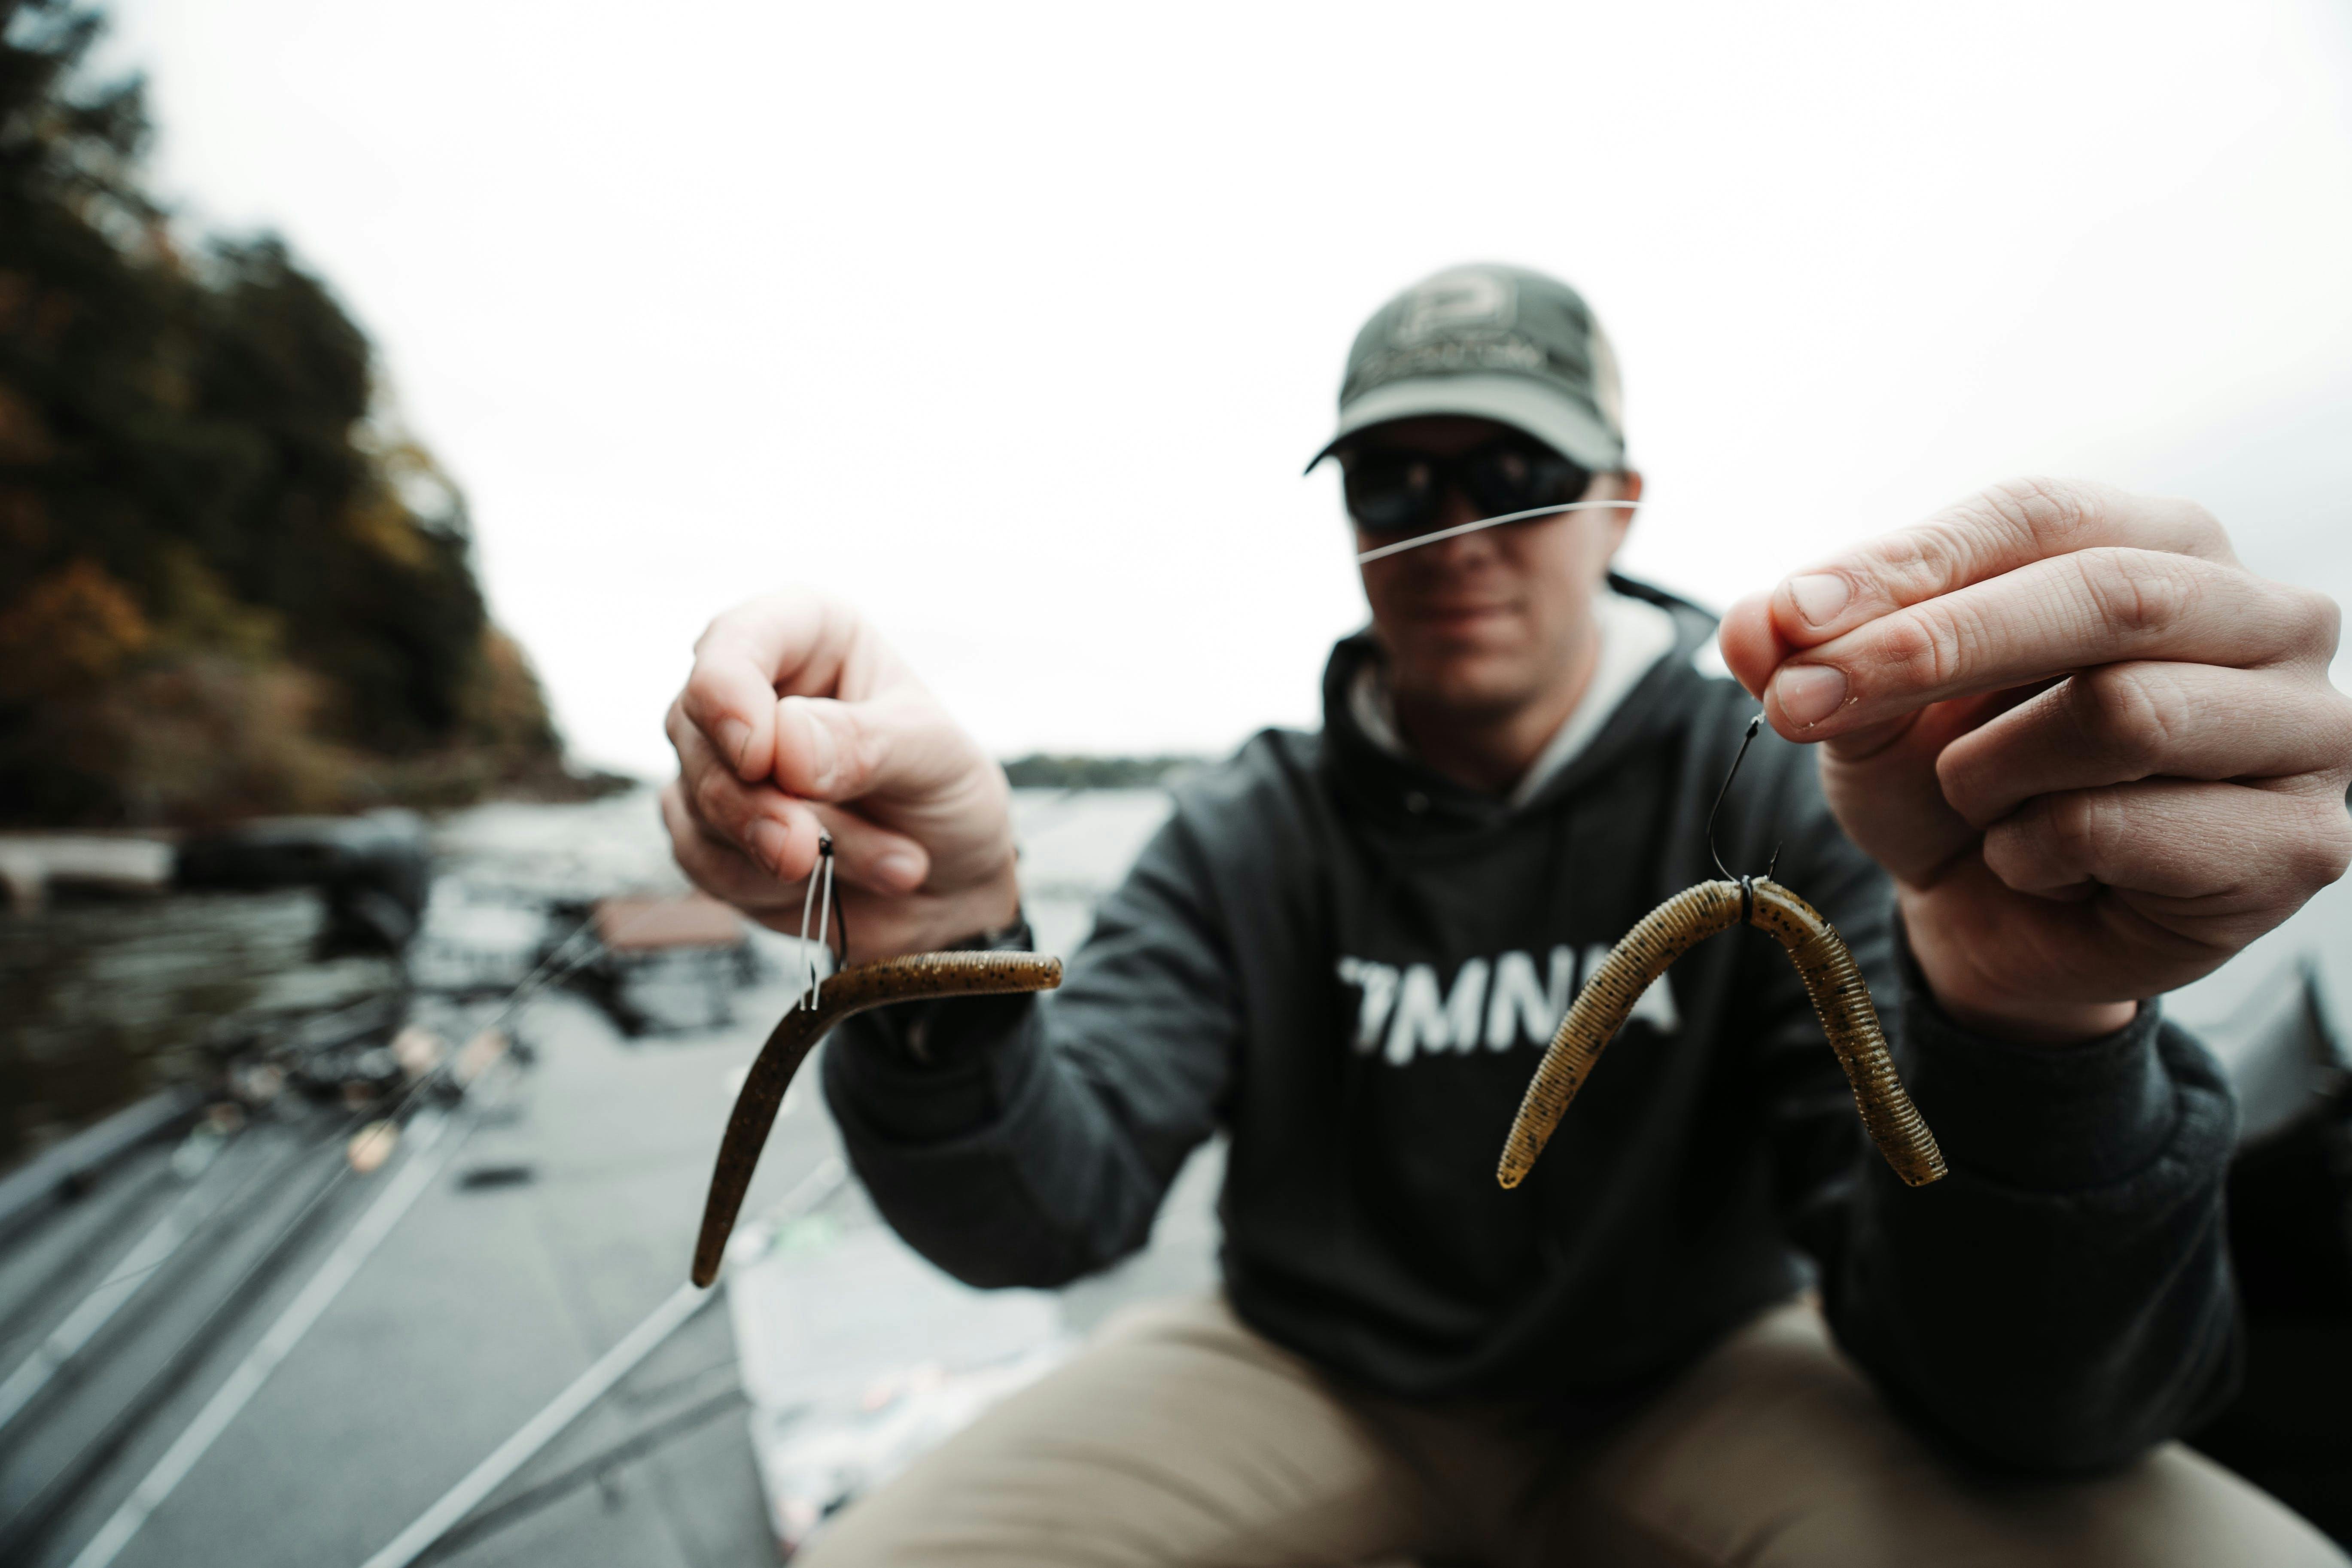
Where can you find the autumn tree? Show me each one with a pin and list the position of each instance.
(227, 584)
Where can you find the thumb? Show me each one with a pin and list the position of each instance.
(1752, 649)
(897, 744)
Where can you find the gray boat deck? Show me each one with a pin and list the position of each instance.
(491, 1294)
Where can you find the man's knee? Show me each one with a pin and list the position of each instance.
(1178, 1435)
(1775, 1450)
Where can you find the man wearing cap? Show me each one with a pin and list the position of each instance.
(2089, 755)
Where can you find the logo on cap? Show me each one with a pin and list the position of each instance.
(1452, 301)
(1489, 342)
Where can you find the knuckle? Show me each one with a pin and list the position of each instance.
(713, 798)
(2129, 710)
(2071, 828)
(1953, 546)
(701, 702)
(2334, 845)
(2137, 591)
(1996, 508)
(2183, 526)
(1922, 647)
(2002, 855)
(856, 748)
(1967, 784)
(1914, 564)
(2332, 722)
(2322, 846)
(2316, 619)
(2049, 512)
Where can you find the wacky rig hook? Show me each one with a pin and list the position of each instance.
(829, 900)
(851, 988)
(1839, 995)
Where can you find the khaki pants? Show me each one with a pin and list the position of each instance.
(1180, 1436)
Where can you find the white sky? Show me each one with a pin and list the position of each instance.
(1015, 323)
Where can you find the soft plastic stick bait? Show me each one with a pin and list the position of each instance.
(1840, 996)
(1673, 928)
(852, 990)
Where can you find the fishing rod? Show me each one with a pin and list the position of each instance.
(120, 1302)
(28, 1528)
(32, 1523)
(132, 1199)
(429, 1154)
(183, 1221)
(678, 1309)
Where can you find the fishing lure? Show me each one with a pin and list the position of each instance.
(849, 989)
(1840, 997)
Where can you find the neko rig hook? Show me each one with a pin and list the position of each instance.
(1747, 884)
(1841, 998)
(1716, 810)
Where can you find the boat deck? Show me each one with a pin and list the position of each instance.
(564, 1217)
(562, 1213)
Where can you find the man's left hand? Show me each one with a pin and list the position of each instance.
(2097, 754)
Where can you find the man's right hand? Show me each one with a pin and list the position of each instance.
(798, 718)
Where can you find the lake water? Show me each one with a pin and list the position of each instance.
(104, 1000)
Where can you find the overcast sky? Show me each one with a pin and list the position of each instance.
(1016, 324)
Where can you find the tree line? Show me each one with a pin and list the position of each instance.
(228, 583)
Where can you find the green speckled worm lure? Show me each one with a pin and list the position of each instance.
(852, 990)
(1840, 997)
(1681, 923)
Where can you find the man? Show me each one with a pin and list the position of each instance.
(2095, 755)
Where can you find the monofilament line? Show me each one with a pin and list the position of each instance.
(1461, 527)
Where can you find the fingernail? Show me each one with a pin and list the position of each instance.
(1809, 693)
(821, 754)
(1819, 598)
(901, 870)
(768, 841)
(734, 739)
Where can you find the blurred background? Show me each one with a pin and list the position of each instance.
(389, 396)
(1017, 324)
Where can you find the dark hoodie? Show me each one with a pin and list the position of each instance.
(1351, 964)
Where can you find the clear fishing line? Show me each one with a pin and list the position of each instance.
(1461, 527)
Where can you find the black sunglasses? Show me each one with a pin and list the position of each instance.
(1394, 490)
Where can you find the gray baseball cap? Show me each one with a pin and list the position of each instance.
(1491, 342)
